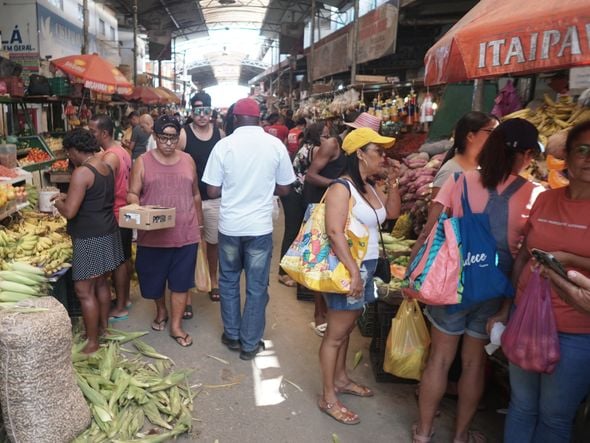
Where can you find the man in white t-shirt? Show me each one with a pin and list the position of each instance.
(246, 169)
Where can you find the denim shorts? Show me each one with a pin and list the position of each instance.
(158, 266)
(340, 302)
(472, 321)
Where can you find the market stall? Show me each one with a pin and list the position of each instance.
(513, 37)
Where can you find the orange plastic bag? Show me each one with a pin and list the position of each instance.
(202, 277)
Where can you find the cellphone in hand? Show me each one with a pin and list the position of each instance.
(548, 260)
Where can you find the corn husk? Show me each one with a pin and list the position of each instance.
(122, 392)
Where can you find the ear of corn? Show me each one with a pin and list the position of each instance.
(123, 392)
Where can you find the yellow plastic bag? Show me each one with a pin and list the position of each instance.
(310, 260)
(202, 277)
(408, 342)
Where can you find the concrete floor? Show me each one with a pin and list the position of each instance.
(254, 401)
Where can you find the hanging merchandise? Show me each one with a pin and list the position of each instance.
(426, 109)
(507, 101)
(411, 107)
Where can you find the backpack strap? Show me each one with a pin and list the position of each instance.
(513, 187)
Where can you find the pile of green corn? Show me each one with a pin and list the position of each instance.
(126, 392)
(21, 281)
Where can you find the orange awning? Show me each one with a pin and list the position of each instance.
(173, 97)
(498, 38)
(147, 95)
(96, 73)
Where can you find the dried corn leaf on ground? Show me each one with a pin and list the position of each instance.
(133, 392)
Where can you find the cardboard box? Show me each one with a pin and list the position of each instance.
(147, 218)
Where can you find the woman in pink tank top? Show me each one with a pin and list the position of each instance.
(167, 257)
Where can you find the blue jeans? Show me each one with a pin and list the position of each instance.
(543, 406)
(251, 255)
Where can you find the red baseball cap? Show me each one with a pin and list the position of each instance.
(247, 106)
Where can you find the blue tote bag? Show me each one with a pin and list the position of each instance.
(481, 278)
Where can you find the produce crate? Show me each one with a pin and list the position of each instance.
(59, 290)
(366, 322)
(15, 86)
(60, 86)
(63, 291)
(385, 311)
(35, 141)
(305, 294)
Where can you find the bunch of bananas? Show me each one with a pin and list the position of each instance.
(38, 240)
(553, 116)
(56, 257)
(32, 196)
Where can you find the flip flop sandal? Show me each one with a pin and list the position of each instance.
(214, 294)
(339, 413)
(116, 318)
(186, 344)
(287, 281)
(188, 312)
(159, 326)
(357, 389)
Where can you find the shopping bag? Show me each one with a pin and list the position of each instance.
(202, 278)
(408, 342)
(481, 277)
(310, 260)
(530, 340)
(434, 274)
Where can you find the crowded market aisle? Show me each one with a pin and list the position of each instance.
(252, 401)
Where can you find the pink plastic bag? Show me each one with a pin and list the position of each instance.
(530, 340)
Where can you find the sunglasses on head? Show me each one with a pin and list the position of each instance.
(202, 110)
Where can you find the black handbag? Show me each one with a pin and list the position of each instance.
(38, 85)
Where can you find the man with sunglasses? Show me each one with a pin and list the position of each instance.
(197, 139)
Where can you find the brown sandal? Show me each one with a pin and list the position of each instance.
(353, 388)
(339, 413)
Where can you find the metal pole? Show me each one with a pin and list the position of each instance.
(355, 38)
(310, 59)
(159, 72)
(292, 66)
(477, 100)
(174, 68)
(184, 75)
(85, 27)
(135, 42)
